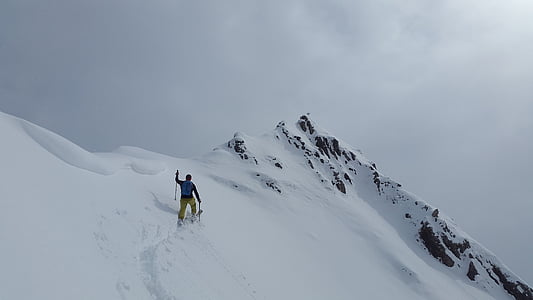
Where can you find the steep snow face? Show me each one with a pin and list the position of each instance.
(339, 167)
(295, 213)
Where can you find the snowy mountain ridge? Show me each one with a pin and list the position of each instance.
(337, 166)
(295, 213)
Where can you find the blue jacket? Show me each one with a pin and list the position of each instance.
(184, 187)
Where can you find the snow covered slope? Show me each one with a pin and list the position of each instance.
(293, 214)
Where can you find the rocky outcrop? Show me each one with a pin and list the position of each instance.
(269, 182)
(517, 289)
(323, 153)
(305, 124)
(472, 271)
(238, 146)
(434, 245)
(275, 161)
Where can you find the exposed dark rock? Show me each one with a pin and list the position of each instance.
(456, 248)
(272, 185)
(348, 158)
(310, 164)
(323, 145)
(445, 227)
(269, 182)
(433, 245)
(336, 149)
(377, 182)
(305, 124)
(435, 213)
(238, 145)
(518, 290)
(407, 216)
(347, 178)
(387, 183)
(340, 186)
(492, 276)
(278, 165)
(302, 125)
(472, 271)
(353, 155)
(284, 130)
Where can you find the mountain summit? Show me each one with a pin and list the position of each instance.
(293, 214)
(339, 167)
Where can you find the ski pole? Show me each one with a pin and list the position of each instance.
(176, 188)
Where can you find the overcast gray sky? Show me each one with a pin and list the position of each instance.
(438, 93)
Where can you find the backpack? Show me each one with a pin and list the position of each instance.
(186, 188)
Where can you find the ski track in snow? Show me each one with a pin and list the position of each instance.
(188, 251)
(148, 260)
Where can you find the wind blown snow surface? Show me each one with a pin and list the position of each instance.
(293, 214)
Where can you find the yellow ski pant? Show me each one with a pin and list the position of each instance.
(183, 207)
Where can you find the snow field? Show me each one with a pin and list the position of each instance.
(78, 225)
